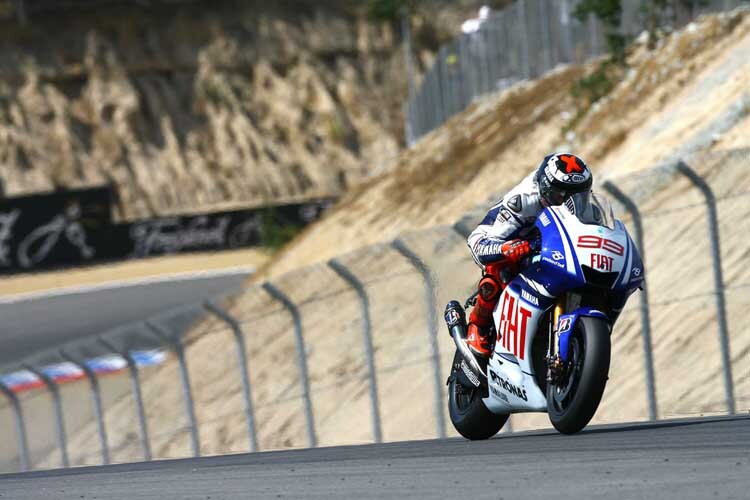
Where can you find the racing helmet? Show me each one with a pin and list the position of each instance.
(560, 176)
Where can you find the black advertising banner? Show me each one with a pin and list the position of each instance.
(207, 232)
(52, 229)
(75, 228)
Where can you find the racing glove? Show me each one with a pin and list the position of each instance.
(515, 250)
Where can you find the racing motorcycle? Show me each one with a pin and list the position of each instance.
(552, 324)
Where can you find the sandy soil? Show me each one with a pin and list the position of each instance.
(480, 152)
(146, 268)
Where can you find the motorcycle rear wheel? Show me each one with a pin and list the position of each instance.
(469, 415)
(573, 400)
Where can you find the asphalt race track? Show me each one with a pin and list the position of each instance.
(685, 459)
(35, 323)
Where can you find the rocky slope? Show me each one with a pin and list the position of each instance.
(203, 105)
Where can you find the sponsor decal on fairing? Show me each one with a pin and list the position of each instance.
(514, 321)
(544, 219)
(507, 386)
(529, 298)
(452, 317)
(554, 262)
(469, 374)
(601, 262)
(564, 324)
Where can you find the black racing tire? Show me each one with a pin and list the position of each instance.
(571, 403)
(469, 415)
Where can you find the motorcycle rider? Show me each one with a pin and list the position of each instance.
(498, 244)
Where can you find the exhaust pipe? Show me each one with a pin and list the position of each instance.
(455, 318)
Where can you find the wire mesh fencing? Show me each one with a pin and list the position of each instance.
(354, 350)
(522, 42)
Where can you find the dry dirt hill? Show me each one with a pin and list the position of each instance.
(668, 96)
(689, 86)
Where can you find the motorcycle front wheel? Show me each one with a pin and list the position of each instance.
(574, 398)
(469, 415)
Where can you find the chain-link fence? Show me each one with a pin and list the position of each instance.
(522, 42)
(353, 350)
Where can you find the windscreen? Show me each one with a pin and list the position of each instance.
(591, 208)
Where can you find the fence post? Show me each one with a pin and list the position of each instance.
(23, 443)
(62, 441)
(565, 30)
(279, 296)
(411, 93)
(721, 313)
(488, 62)
(358, 286)
(548, 61)
(239, 339)
(429, 283)
(187, 394)
(524, 45)
(449, 93)
(136, 387)
(648, 360)
(97, 398)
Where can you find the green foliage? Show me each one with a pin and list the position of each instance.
(593, 87)
(211, 91)
(598, 84)
(617, 44)
(274, 233)
(390, 10)
(336, 130)
(608, 11)
(589, 89)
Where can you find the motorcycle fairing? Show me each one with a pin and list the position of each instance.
(567, 250)
(510, 372)
(568, 244)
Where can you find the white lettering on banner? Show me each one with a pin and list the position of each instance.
(7, 221)
(168, 236)
(243, 234)
(39, 243)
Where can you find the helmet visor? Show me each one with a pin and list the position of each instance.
(556, 196)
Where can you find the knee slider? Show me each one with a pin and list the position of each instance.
(489, 288)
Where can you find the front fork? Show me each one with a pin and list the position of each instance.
(555, 365)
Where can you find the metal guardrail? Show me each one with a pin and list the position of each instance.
(648, 360)
(443, 266)
(349, 277)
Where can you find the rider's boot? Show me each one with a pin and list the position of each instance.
(480, 319)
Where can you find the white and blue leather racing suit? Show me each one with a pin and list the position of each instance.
(511, 218)
(494, 249)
